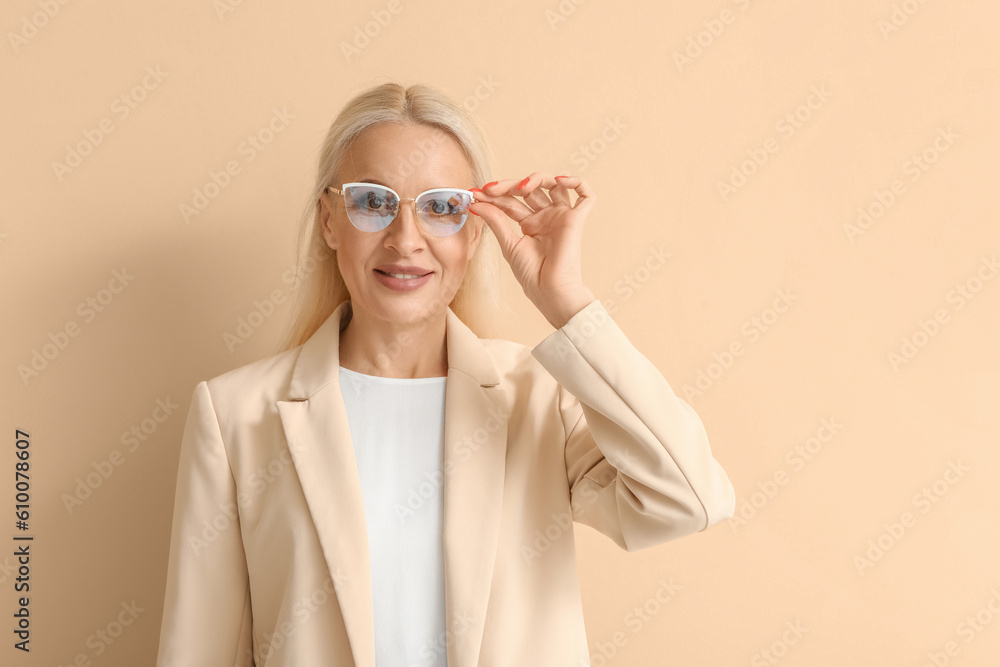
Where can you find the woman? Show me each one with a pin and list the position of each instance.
(393, 490)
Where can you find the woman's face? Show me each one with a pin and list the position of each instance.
(409, 159)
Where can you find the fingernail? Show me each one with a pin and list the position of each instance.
(523, 183)
(563, 177)
(475, 189)
(489, 184)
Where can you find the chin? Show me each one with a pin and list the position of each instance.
(412, 307)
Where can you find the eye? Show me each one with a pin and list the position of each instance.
(373, 201)
(443, 206)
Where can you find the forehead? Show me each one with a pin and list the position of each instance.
(409, 157)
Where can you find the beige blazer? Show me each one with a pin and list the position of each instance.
(269, 561)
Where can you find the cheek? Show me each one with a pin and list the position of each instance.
(458, 261)
(454, 256)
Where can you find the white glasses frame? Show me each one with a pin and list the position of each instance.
(343, 192)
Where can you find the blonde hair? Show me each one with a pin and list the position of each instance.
(319, 285)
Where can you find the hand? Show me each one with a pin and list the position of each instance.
(545, 259)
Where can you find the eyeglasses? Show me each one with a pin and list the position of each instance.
(371, 208)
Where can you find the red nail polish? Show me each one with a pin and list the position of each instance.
(562, 177)
(523, 183)
(489, 184)
(475, 189)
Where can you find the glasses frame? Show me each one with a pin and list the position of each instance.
(399, 207)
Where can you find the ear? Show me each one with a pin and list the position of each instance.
(326, 222)
(477, 234)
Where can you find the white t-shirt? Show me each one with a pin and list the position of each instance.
(397, 428)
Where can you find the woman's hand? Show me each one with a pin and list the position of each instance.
(546, 257)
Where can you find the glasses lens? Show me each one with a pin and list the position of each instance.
(444, 210)
(370, 208)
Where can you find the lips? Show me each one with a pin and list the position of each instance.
(404, 269)
(402, 284)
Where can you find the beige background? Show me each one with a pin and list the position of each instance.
(889, 83)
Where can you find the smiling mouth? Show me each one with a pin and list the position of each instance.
(404, 275)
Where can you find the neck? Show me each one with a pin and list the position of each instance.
(392, 349)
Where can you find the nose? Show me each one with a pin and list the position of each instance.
(404, 233)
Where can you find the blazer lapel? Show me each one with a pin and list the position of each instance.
(315, 423)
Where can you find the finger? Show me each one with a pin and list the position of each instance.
(585, 198)
(497, 188)
(499, 223)
(507, 203)
(557, 190)
(531, 190)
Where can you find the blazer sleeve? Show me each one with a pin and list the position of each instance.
(206, 612)
(638, 462)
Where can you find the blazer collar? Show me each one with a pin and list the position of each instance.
(319, 362)
(316, 429)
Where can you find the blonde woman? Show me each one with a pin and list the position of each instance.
(392, 489)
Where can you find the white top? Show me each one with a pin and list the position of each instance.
(397, 428)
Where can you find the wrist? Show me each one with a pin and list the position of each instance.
(566, 305)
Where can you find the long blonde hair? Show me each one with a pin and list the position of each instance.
(319, 286)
